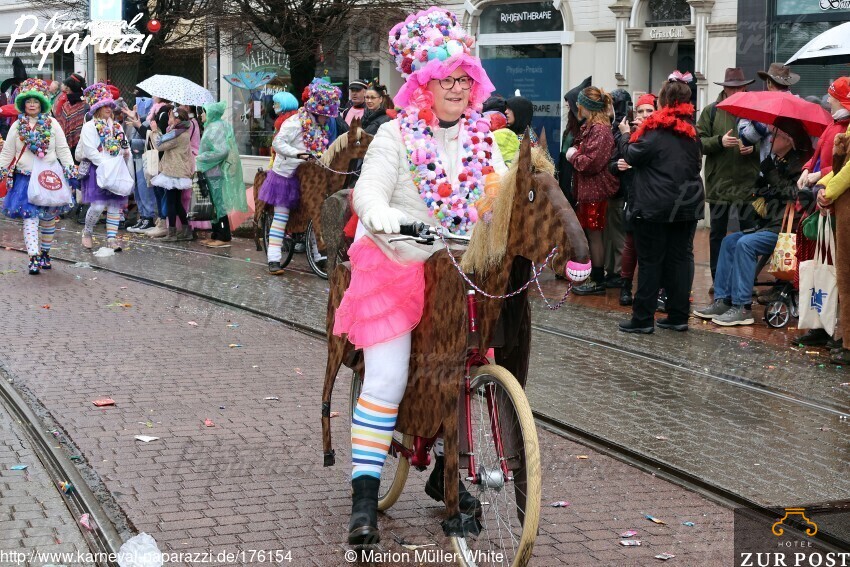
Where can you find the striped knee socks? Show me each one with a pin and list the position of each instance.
(112, 220)
(276, 233)
(47, 228)
(371, 435)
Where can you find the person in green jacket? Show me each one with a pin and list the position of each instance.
(731, 168)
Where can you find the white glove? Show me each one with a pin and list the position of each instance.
(570, 153)
(383, 219)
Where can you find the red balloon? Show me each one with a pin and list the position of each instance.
(154, 26)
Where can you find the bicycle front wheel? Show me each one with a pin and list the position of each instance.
(500, 414)
(315, 258)
(396, 467)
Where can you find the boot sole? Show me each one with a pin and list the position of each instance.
(435, 495)
(680, 328)
(745, 322)
(364, 535)
(708, 316)
(638, 330)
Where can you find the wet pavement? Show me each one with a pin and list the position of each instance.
(738, 409)
(252, 479)
(34, 521)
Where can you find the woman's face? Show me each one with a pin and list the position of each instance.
(509, 114)
(373, 99)
(204, 116)
(450, 103)
(32, 106)
(321, 119)
(834, 105)
(173, 120)
(642, 112)
(782, 143)
(104, 112)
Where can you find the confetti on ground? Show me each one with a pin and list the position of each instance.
(192, 324)
(233, 326)
(582, 457)
(19, 468)
(630, 542)
(271, 398)
(298, 371)
(4, 272)
(119, 304)
(743, 344)
(123, 287)
(630, 533)
(88, 522)
(812, 352)
(146, 438)
(689, 524)
(46, 306)
(104, 402)
(66, 487)
(76, 458)
(665, 556)
(559, 504)
(209, 423)
(661, 437)
(654, 519)
(334, 414)
(234, 345)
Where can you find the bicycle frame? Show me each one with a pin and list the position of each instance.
(419, 455)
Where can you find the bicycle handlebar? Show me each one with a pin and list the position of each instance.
(414, 229)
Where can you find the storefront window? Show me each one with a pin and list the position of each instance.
(534, 71)
(253, 116)
(829, 8)
(668, 13)
(814, 79)
(30, 61)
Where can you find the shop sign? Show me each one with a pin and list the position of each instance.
(835, 4)
(675, 32)
(265, 60)
(528, 17)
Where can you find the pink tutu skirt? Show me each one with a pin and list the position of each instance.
(384, 299)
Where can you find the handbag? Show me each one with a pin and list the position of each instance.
(783, 261)
(114, 176)
(201, 207)
(150, 159)
(818, 283)
(48, 187)
(810, 226)
(4, 189)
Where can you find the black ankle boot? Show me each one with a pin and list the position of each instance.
(435, 488)
(35, 265)
(626, 293)
(363, 527)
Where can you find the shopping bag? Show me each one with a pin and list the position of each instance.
(818, 285)
(783, 261)
(48, 187)
(150, 159)
(114, 176)
(4, 186)
(201, 207)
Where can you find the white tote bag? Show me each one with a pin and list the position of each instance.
(48, 187)
(818, 285)
(114, 175)
(150, 159)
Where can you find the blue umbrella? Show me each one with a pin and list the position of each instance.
(250, 80)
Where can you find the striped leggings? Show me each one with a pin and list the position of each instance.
(276, 233)
(113, 217)
(35, 228)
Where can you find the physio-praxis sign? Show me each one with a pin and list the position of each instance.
(75, 36)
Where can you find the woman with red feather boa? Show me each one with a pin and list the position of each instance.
(665, 203)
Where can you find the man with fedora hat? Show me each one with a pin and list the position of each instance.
(731, 167)
(777, 78)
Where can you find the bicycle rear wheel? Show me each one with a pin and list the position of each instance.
(318, 262)
(511, 506)
(396, 467)
(287, 248)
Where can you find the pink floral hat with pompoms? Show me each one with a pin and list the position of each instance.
(97, 96)
(429, 45)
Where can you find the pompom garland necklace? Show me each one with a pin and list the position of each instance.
(316, 136)
(451, 202)
(36, 137)
(110, 139)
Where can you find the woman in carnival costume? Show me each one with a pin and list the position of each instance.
(304, 135)
(100, 139)
(218, 159)
(430, 165)
(284, 105)
(34, 139)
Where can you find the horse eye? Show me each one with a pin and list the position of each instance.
(531, 196)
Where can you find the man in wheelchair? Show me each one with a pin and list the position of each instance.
(739, 253)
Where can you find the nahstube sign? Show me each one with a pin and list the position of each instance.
(128, 41)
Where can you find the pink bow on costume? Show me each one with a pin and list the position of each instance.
(680, 78)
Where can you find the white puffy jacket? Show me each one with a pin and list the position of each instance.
(385, 181)
(287, 144)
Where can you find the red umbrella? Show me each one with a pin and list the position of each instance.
(767, 106)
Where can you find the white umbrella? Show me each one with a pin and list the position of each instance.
(830, 47)
(177, 89)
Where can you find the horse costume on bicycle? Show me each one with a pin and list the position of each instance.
(307, 133)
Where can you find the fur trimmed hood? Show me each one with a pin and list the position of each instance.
(676, 118)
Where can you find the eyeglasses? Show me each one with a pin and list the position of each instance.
(448, 83)
(372, 97)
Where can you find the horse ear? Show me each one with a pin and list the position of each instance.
(355, 124)
(524, 157)
(541, 139)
